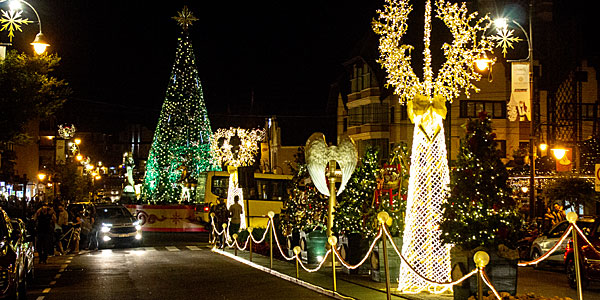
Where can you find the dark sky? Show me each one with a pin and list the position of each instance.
(286, 53)
(117, 55)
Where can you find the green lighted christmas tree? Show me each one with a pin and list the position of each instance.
(356, 199)
(181, 146)
(479, 210)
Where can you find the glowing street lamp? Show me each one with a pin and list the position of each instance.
(559, 153)
(543, 146)
(14, 17)
(41, 176)
(79, 157)
(77, 141)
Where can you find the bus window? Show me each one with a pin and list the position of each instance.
(220, 185)
(269, 189)
(201, 188)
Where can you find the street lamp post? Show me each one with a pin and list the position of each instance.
(39, 43)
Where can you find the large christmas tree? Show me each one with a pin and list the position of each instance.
(181, 146)
(480, 211)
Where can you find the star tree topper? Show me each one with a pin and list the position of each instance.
(185, 18)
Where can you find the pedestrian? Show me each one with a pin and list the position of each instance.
(92, 227)
(45, 219)
(62, 226)
(221, 215)
(549, 220)
(235, 212)
(558, 213)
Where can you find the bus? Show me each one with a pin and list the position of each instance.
(268, 193)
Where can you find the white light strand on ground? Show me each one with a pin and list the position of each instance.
(318, 267)
(278, 245)
(352, 267)
(549, 252)
(446, 284)
(489, 284)
(586, 239)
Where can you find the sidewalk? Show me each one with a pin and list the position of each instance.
(348, 286)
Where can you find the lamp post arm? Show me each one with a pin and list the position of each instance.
(526, 37)
(32, 8)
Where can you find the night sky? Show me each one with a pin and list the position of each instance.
(117, 56)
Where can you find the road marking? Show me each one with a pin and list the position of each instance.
(57, 276)
(172, 248)
(61, 270)
(46, 291)
(193, 248)
(53, 282)
(149, 249)
(64, 266)
(68, 261)
(40, 298)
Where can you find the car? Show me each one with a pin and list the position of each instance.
(26, 246)
(116, 225)
(13, 283)
(589, 259)
(546, 241)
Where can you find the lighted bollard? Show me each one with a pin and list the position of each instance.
(333, 241)
(572, 218)
(481, 259)
(224, 237)
(250, 237)
(383, 217)
(271, 214)
(235, 236)
(297, 250)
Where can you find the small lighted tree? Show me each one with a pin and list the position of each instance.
(426, 102)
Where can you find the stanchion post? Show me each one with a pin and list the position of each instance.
(250, 237)
(481, 259)
(572, 218)
(297, 252)
(235, 235)
(224, 236)
(211, 237)
(383, 218)
(271, 214)
(332, 242)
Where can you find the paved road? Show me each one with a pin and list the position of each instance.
(550, 281)
(160, 270)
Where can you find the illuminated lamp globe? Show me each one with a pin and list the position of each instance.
(224, 225)
(501, 23)
(39, 44)
(559, 153)
(77, 141)
(524, 189)
(572, 217)
(79, 157)
(235, 235)
(41, 176)
(297, 250)
(383, 217)
(481, 259)
(250, 229)
(271, 214)
(543, 146)
(332, 240)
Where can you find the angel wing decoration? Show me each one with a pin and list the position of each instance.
(318, 155)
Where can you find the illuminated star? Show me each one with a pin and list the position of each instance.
(185, 18)
(11, 20)
(504, 38)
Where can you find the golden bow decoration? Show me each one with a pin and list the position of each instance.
(423, 106)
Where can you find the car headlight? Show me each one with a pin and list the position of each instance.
(137, 225)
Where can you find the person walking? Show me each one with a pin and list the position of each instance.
(235, 212)
(45, 218)
(62, 226)
(221, 215)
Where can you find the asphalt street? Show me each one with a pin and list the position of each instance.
(168, 266)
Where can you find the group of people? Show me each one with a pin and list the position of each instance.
(59, 231)
(231, 216)
(554, 215)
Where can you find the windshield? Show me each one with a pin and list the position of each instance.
(113, 213)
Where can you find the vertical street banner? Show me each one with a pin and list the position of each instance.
(60, 152)
(597, 177)
(519, 106)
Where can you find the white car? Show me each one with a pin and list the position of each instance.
(545, 242)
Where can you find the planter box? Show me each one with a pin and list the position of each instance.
(313, 246)
(353, 248)
(501, 271)
(394, 261)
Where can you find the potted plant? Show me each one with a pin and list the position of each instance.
(480, 213)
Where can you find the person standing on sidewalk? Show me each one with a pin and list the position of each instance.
(45, 219)
(62, 223)
(235, 212)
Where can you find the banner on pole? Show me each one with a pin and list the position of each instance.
(519, 106)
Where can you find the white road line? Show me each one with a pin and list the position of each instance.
(172, 248)
(61, 270)
(57, 276)
(193, 248)
(64, 266)
(53, 282)
(46, 291)
(68, 261)
(40, 298)
(149, 249)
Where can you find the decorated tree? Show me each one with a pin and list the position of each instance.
(480, 211)
(357, 198)
(181, 145)
(306, 207)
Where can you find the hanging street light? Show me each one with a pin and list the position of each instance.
(12, 20)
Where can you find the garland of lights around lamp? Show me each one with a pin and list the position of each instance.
(426, 104)
(236, 147)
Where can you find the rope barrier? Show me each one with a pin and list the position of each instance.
(586, 239)
(549, 252)
(279, 246)
(264, 234)
(318, 267)
(489, 284)
(343, 262)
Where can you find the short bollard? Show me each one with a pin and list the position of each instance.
(250, 237)
(297, 252)
(481, 259)
(271, 214)
(383, 218)
(224, 236)
(235, 235)
(572, 218)
(333, 241)
(211, 237)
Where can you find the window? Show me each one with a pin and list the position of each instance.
(374, 113)
(269, 189)
(472, 108)
(220, 185)
(588, 110)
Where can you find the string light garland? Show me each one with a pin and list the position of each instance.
(180, 149)
(426, 99)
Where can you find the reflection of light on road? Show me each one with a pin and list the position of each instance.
(106, 253)
(138, 252)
